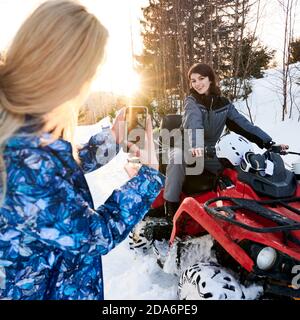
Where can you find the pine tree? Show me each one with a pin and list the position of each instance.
(295, 51)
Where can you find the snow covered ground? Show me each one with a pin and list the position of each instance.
(131, 276)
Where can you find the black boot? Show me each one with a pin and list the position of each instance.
(170, 209)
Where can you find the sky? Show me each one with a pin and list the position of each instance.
(121, 18)
(270, 28)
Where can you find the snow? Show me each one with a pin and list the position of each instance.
(266, 108)
(128, 275)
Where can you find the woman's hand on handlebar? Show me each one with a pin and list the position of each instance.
(197, 152)
(280, 148)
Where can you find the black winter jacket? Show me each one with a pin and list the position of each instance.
(210, 115)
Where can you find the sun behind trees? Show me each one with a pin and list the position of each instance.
(179, 33)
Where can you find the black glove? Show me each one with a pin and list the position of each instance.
(276, 148)
(280, 148)
(269, 145)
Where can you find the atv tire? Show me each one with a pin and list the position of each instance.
(208, 281)
(147, 231)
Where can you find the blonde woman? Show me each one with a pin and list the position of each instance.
(51, 236)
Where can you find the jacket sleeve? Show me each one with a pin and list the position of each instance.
(239, 124)
(99, 150)
(57, 215)
(192, 123)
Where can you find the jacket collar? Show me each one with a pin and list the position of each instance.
(24, 140)
(212, 102)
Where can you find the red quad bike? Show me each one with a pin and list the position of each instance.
(230, 233)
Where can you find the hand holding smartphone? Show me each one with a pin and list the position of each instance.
(135, 126)
(145, 156)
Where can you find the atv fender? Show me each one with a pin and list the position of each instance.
(197, 212)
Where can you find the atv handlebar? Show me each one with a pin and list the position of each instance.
(282, 149)
(279, 148)
(297, 153)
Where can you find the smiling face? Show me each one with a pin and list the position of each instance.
(199, 83)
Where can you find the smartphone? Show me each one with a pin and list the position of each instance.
(135, 125)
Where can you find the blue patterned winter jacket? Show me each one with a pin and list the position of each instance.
(51, 236)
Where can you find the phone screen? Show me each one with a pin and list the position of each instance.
(136, 120)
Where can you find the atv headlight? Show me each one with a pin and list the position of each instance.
(266, 258)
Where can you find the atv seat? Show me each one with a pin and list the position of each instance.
(171, 121)
(199, 183)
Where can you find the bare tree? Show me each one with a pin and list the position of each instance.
(287, 7)
(180, 23)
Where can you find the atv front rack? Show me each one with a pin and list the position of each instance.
(228, 212)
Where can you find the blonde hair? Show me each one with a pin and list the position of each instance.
(54, 54)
